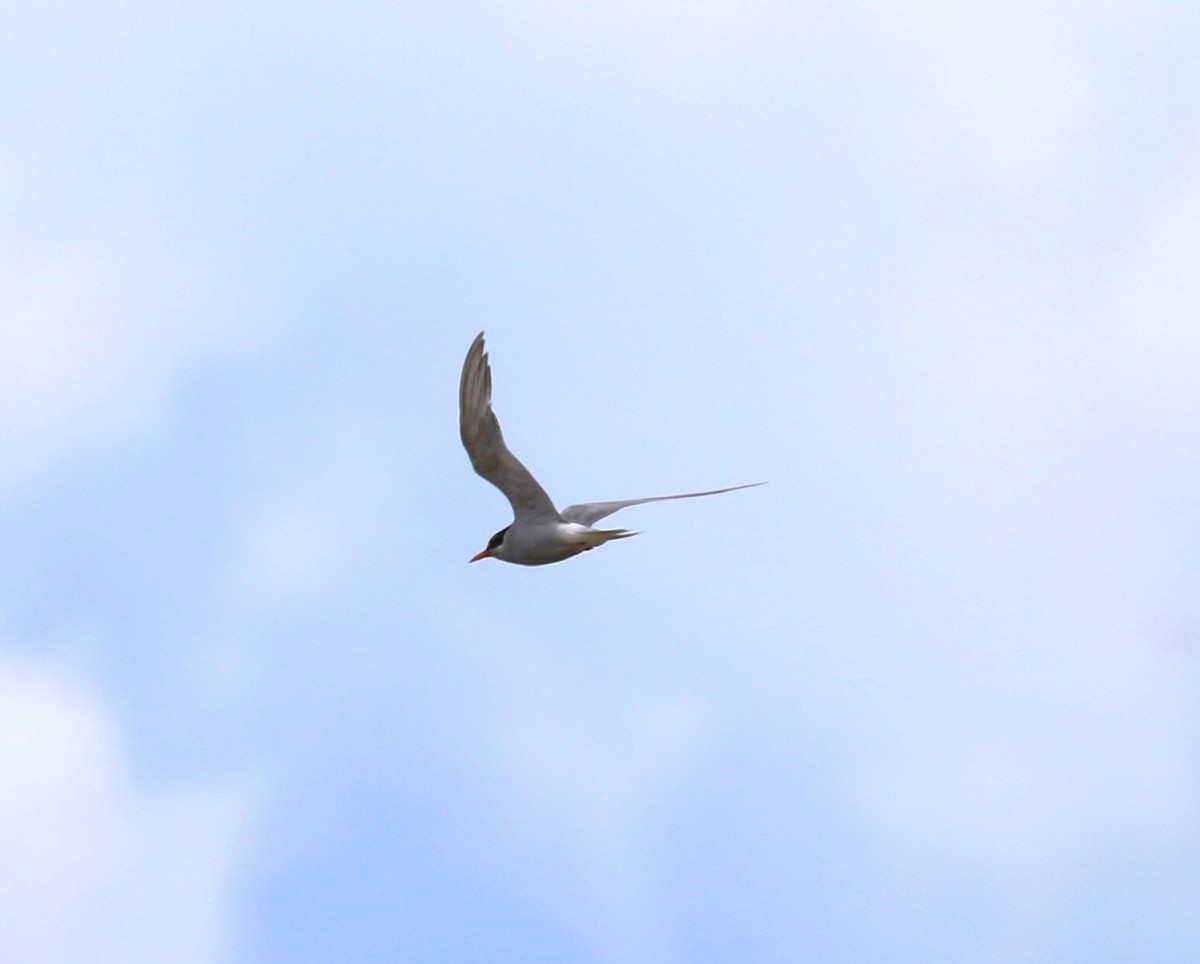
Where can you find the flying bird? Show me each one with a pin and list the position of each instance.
(539, 534)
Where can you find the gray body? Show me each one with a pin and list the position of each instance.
(541, 543)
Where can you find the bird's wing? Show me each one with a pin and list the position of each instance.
(587, 513)
(482, 439)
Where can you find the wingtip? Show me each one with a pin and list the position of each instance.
(744, 485)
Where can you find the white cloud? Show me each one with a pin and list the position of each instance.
(292, 551)
(98, 866)
(1013, 785)
(1152, 337)
(1090, 756)
(101, 317)
(661, 45)
(597, 785)
(1004, 69)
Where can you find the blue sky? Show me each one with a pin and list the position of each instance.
(928, 268)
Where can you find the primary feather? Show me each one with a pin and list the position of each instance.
(484, 442)
(589, 512)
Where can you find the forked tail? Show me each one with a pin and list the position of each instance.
(597, 537)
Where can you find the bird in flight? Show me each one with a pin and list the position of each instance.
(539, 534)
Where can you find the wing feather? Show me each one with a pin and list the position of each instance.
(587, 513)
(484, 442)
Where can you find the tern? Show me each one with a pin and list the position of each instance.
(539, 533)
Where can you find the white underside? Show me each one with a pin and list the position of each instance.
(537, 545)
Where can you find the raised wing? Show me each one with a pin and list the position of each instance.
(481, 437)
(587, 513)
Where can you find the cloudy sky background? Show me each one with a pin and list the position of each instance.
(929, 268)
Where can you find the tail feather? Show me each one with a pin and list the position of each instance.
(597, 537)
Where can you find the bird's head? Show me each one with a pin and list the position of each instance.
(495, 547)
